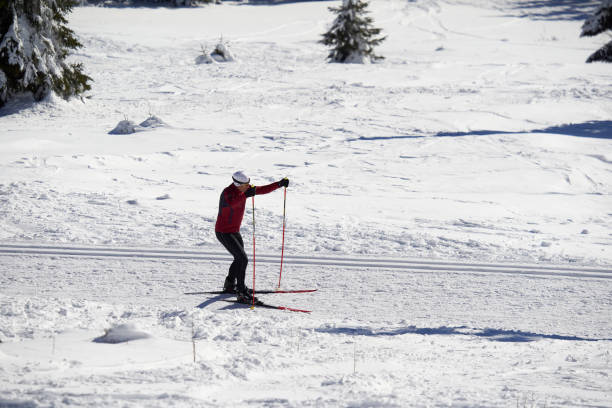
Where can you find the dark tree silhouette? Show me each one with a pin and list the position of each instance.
(34, 44)
(352, 36)
(596, 24)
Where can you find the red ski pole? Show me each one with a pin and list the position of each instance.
(283, 244)
(253, 304)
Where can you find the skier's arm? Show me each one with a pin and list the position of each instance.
(258, 190)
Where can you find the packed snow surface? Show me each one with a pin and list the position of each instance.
(482, 138)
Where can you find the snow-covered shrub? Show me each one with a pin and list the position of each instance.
(124, 127)
(596, 24)
(34, 44)
(204, 58)
(152, 122)
(221, 53)
(352, 36)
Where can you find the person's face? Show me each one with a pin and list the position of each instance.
(243, 187)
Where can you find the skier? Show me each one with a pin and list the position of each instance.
(231, 211)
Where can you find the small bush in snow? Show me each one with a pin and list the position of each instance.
(34, 44)
(204, 58)
(153, 122)
(596, 24)
(352, 36)
(221, 53)
(125, 127)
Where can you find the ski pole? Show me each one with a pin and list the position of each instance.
(283, 244)
(253, 304)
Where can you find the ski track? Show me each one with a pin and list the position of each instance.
(348, 262)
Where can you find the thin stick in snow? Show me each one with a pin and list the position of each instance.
(354, 356)
(193, 342)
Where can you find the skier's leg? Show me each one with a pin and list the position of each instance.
(222, 239)
(235, 247)
(241, 259)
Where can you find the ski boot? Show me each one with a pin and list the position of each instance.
(229, 286)
(245, 295)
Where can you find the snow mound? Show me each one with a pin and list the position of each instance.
(125, 127)
(153, 122)
(204, 59)
(221, 53)
(121, 334)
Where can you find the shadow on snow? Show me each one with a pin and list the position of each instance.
(273, 2)
(601, 129)
(557, 9)
(511, 336)
(213, 300)
(223, 298)
(17, 104)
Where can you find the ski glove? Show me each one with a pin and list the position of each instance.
(284, 182)
(250, 191)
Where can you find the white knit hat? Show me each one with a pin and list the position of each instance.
(240, 178)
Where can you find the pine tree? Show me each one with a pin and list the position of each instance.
(596, 24)
(34, 45)
(352, 36)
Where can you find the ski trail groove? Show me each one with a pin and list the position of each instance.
(411, 265)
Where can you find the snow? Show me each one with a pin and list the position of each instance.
(479, 144)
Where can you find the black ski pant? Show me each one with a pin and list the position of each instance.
(232, 241)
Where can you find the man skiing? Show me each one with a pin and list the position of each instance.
(231, 211)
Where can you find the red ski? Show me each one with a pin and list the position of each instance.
(257, 292)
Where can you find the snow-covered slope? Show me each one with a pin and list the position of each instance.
(482, 137)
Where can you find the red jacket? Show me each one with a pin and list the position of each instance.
(232, 203)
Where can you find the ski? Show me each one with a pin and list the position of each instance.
(267, 306)
(257, 292)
